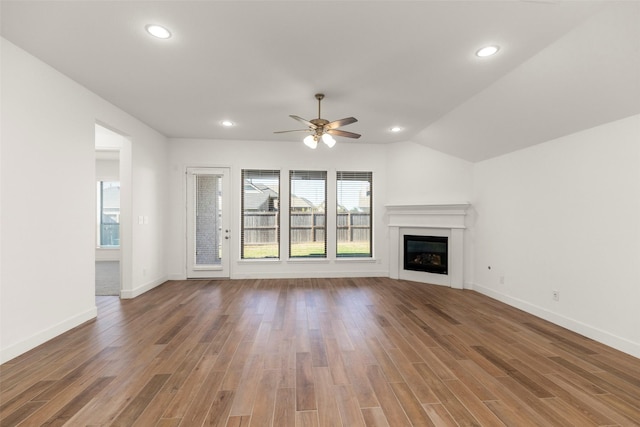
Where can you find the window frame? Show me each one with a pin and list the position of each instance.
(100, 188)
(256, 174)
(365, 176)
(307, 175)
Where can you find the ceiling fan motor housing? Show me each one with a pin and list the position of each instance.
(319, 122)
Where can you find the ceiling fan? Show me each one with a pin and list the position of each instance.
(323, 129)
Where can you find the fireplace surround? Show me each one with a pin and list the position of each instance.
(441, 221)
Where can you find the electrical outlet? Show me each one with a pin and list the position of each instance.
(502, 280)
(556, 295)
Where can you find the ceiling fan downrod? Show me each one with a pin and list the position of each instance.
(319, 122)
(319, 97)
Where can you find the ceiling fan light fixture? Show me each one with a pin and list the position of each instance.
(323, 129)
(311, 141)
(487, 51)
(158, 31)
(329, 140)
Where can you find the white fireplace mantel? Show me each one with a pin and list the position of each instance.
(442, 219)
(444, 215)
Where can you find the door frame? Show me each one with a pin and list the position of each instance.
(124, 146)
(205, 272)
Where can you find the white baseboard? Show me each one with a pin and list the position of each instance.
(45, 335)
(132, 293)
(310, 274)
(581, 328)
(294, 275)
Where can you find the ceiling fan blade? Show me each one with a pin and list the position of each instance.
(295, 130)
(305, 121)
(342, 122)
(338, 132)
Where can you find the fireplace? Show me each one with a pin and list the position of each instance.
(426, 253)
(445, 222)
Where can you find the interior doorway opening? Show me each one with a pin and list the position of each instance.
(109, 213)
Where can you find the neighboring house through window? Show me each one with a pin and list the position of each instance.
(260, 199)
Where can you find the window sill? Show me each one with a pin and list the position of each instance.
(357, 259)
(307, 261)
(342, 260)
(260, 261)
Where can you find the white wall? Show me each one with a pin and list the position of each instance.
(564, 215)
(149, 200)
(284, 156)
(47, 181)
(419, 175)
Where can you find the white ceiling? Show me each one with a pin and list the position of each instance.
(563, 66)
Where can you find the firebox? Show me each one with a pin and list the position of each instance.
(426, 253)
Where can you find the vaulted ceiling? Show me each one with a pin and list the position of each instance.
(563, 66)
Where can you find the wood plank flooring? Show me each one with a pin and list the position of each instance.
(318, 352)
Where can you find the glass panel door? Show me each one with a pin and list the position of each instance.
(208, 232)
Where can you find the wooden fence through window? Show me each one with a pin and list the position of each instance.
(262, 227)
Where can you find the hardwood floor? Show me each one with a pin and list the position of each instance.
(318, 352)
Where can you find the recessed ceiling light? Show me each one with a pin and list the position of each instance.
(487, 51)
(158, 31)
(227, 123)
(396, 129)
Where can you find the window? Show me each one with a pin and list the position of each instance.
(260, 234)
(307, 203)
(353, 216)
(108, 215)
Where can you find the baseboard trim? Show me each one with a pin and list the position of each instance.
(604, 337)
(132, 293)
(310, 274)
(294, 275)
(15, 350)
